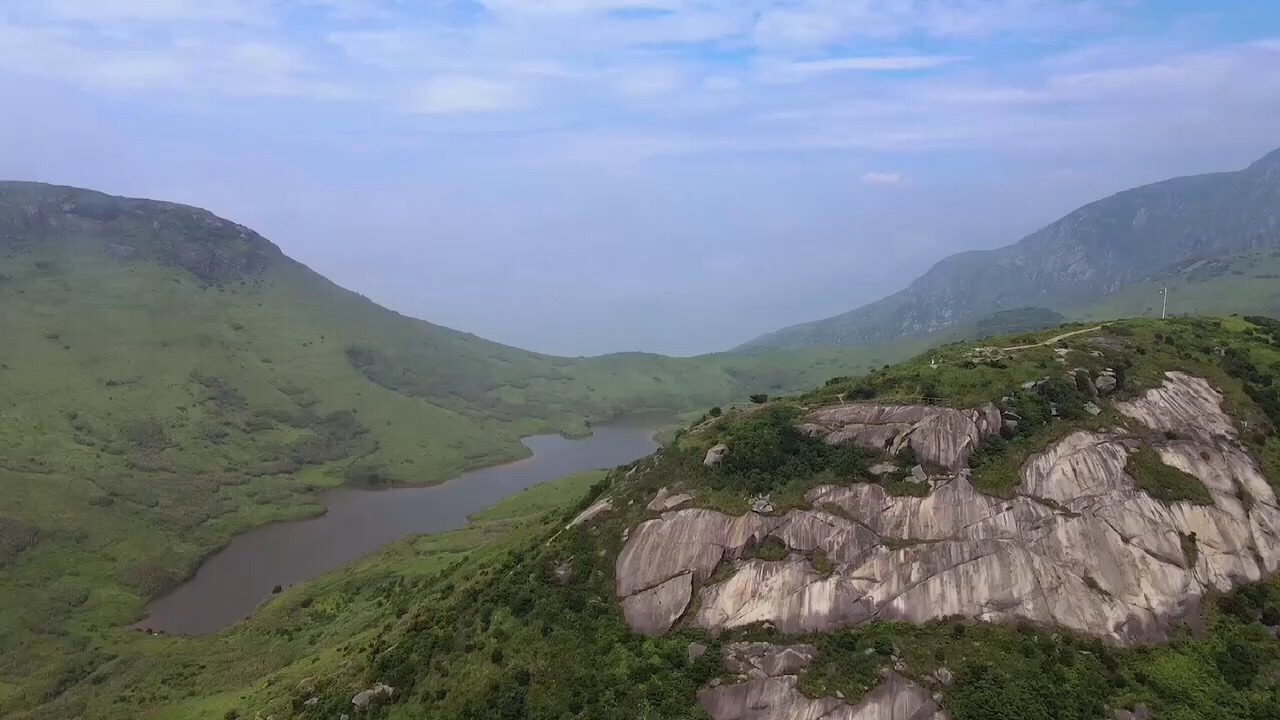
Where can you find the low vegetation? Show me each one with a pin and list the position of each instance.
(1165, 482)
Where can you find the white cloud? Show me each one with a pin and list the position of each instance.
(451, 95)
(881, 178)
(239, 11)
(875, 62)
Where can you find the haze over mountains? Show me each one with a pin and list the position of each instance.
(1092, 252)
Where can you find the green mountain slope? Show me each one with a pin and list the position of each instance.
(1095, 251)
(531, 626)
(169, 378)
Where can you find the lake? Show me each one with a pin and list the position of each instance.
(230, 584)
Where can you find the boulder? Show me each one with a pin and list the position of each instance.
(696, 650)
(666, 500)
(880, 469)
(366, 697)
(1092, 408)
(918, 475)
(761, 504)
(1105, 384)
(944, 677)
(716, 455)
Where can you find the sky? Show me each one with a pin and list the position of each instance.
(591, 176)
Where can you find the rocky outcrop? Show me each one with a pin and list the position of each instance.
(716, 455)
(666, 500)
(770, 693)
(940, 436)
(598, 507)
(366, 697)
(1078, 546)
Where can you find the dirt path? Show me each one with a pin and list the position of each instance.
(1053, 340)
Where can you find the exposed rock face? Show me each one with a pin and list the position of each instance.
(771, 694)
(1079, 546)
(941, 436)
(600, 506)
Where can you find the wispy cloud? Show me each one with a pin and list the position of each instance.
(450, 95)
(875, 62)
(881, 178)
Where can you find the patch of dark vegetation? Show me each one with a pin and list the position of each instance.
(767, 454)
(1165, 482)
(150, 579)
(219, 392)
(1019, 320)
(771, 548)
(15, 537)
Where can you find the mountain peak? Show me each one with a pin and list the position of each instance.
(1268, 162)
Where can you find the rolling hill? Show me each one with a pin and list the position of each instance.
(169, 378)
(1094, 252)
(1072, 530)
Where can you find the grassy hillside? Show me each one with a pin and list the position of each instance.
(506, 636)
(169, 378)
(1244, 284)
(309, 635)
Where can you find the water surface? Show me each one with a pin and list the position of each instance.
(231, 583)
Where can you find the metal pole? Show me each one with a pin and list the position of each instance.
(1164, 308)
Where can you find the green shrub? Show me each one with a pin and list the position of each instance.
(1165, 482)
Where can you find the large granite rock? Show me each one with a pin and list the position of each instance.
(941, 436)
(1078, 546)
(770, 692)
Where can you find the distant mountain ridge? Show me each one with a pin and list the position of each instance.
(1090, 253)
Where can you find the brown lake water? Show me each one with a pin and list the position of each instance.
(230, 584)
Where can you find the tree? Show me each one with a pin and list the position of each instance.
(759, 399)
(715, 411)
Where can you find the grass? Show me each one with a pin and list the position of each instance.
(1245, 284)
(1165, 482)
(157, 400)
(309, 630)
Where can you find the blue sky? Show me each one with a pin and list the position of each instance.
(585, 176)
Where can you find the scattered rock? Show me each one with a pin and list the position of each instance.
(563, 571)
(696, 650)
(666, 500)
(884, 468)
(777, 698)
(1105, 384)
(1141, 712)
(762, 659)
(716, 455)
(311, 701)
(761, 504)
(365, 697)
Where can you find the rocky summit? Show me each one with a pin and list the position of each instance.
(1078, 546)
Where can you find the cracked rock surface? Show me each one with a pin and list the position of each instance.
(939, 435)
(770, 692)
(1078, 546)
